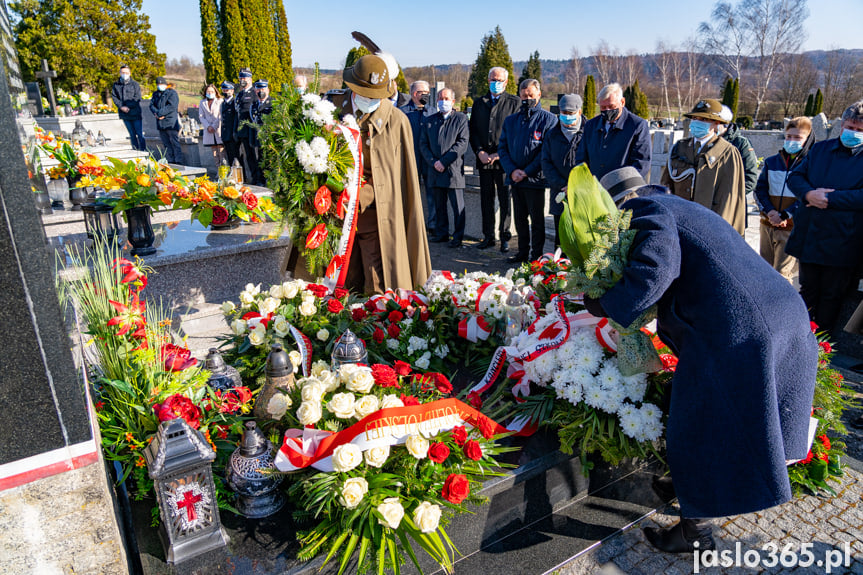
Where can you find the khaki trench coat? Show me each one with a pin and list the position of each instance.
(401, 223)
(719, 180)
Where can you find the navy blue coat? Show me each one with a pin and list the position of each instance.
(558, 159)
(127, 94)
(229, 121)
(165, 104)
(833, 236)
(416, 116)
(445, 140)
(742, 392)
(520, 145)
(627, 144)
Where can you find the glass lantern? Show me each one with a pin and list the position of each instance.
(348, 349)
(100, 221)
(514, 314)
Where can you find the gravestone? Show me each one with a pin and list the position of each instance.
(34, 99)
(819, 127)
(46, 75)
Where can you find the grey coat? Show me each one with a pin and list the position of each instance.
(445, 139)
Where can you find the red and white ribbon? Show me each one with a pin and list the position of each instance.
(337, 270)
(304, 345)
(605, 335)
(402, 297)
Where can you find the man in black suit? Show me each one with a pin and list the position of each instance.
(262, 106)
(243, 105)
(229, 123)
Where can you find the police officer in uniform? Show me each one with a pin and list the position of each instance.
(262, 106)
(243, 107)
(229, 123)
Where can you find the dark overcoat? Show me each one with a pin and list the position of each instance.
(742, 392)
(558, 160)
(627, 143)
(445, 140)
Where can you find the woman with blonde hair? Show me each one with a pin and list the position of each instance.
(210, 113)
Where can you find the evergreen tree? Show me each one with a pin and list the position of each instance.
(234, 52)
(727, 91)
(589, 110)
(533, 69)
(283, 40)
(86, 42)
(402, 82)
(354, 54)
(493, 51)
(263, 54)
(735, 97)
(818, 104)
(810, 103)
(636, 100)
(214, 64)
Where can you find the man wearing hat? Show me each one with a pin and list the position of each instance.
(164, 105)
(243, 106)
(229, 123)
(390, 248)
(706, 169)
(558, 154)
(260, 108)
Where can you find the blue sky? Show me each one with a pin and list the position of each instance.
(449, 31)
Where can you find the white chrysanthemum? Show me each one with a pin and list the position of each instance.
(615, 400)
(609, 376)
(627, 409)
(635, 390)
(582, 337)
(561, 378)
(594, 396)
(560, 392)
(652, 430)
(423, 361)
(631, 423)
(311, 99)
(573, 394)
(442, 351)
(319, 146)
(582, 377)
(650, 411)
(392, 343)
(545, 366)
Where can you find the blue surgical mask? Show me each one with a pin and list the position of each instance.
(211, 96)
(497, 87)
(850, 138)
(125, 77)
(792, 146)
(444, 106)
(699, 129)
(568, 119)
(366, 105)
(162, 87)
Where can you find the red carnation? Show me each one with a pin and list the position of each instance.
(323, 200)
(409, 400)
(395, 316)
(384, 375)
(808, 458)
(438, 452)
(474, 400)
(441, 382)
(250, 199)
(456, 488)
(825, 441)
(393, 330)
(459, 435)
(341, 293)
(402, 368)
(472, 450)
(826, 347)
(424, 314)
(371, 305)
(220, 215)
(178, 405)
(485, 426)
(335, 306)
(317, 289)
(379, 335)
(176, 358)
(823, 457)
(358, 314)
(813, 326)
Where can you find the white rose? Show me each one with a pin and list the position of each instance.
(228, 307)
(309, 412)
(361, 381)
(423, 361)
(353, 492)
(367, 404)
(427, 517)
(391, 401)
(308, 297)
(290, 290)
(392, 511)
(258, 335)
(328, 380)
(346, 372)
(342, 405)
(308, 308)
(276, 291)
(278, 405)
(418, 446)
(312, 390)
(280, 326)
(319, 367)
(296, 359)
(268, 306)
(377, 456)
(247, 296)
(346, 457)
(238, 326)
(323, 335)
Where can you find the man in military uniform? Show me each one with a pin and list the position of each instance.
(243, 107)
(229, 123)
(260, 108)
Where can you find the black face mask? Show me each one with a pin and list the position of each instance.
(610, 115)
(424, 100)
(528, 103)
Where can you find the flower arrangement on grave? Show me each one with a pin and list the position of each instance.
(103, 108)
(310, 160)
(371, 485)
(144, 182)
(547, 276)
(823, 463)
(219, 203)
(64, 151)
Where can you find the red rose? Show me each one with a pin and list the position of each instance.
(808, 458)
(323, 200)
(474, 400)
(456, 488)
(176, 358)
(379, 336)
(438, 452)
(220, 215)
(395, 316)
(234, 399)
(409, 400)
(825, 441)
(486, 427)
(317, 289)
(424, 314)
(358, 314)
(459, 435)
(250, 199)
(370, 305)
(316, 237)
(179, 405)
(402, 368)
(393, 330)
(826, 347)
(669, 361)
(441, 382)
(472, 450)
(384, 375)
(813, 326)
(340, 293)
(335, 306)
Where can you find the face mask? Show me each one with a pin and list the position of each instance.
(850, 138)
(496, 87)
(528, 103)
(227, 95)
(444, 106)
(211, 96)
(366, 105)
(610, 115)
(125, 77)
(568, 119)
(699, 129)
(262, 96)
(301, 91)
(792, 146)
(424, 100)
(162, 87)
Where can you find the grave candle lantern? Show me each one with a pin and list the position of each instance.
(348, 349)
(222, 376)
(179, 462)
(280, 379)
(258, 494)
(99, 220)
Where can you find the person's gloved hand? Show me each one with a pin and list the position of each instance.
(594, 307)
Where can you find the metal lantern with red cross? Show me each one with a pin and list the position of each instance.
(179, 462)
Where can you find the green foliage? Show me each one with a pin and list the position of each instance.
(810, 103)
(234, 52)
(533, 69)
(731, 94)
(745, 122)
(283, 40)
(636, 100)
(466, 104)
(214, 64)
(818, 104)
(587, 203)
(86, 42)
(263, 53)
(354, 54)
(493, 51)
(590, 109)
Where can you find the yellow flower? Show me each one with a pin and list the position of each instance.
(231, 193)
(143, 180)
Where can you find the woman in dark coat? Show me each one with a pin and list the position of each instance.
(742, 392)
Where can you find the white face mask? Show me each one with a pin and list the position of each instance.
(125, 77)
(444, 106)
(366, 105)
(162, 87)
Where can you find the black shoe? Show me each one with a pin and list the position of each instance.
(663, 487)
(684, 537)
(486, 243)
(439, 240)
(857, 423)
(504, 246)
(455, 243)
(516, 259)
